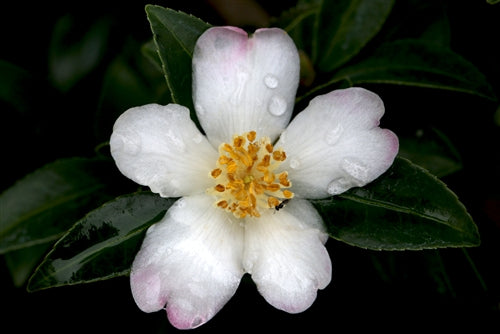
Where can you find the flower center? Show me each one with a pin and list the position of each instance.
(245, 178)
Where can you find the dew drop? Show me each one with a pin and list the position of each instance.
(338, 186)
(355, 168)
(196, 322)
(200, 109)
(277, 105)
(181, 202)
(241, 80)
(197, 139)
(130, 143)
(175, 184)
(283, 137)
(176, 141)
(332, 137)
(294, 163)
(271, 81)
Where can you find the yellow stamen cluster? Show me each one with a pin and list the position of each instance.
(245, 178)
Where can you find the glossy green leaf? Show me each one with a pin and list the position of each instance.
(43, 205)
(417, 63)
(405, 208)
(175, 34)
(345, 27)
(103, 244)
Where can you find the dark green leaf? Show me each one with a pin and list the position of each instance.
(299, 23)
(130, 80)
(22, 262)
(345, 27)
(175, 34)
(72, 57)
(149, 51)
(431, 150)
(43, 205)
(15, 86)
(103, 244)
(417, 63)
(406, 208)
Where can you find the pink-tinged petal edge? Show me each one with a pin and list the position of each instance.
(184, 265)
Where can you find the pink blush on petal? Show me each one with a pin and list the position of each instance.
(146, 290)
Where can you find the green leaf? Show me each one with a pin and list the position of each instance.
(175, 35)
(73, 57)
(299, 23)
(417, 63)
(16, 85)
(492, 2)
(431, 150)
(22, 262)
(345, 27)
(103, 244)
(43, 205)
(130, 80)
(405, 208)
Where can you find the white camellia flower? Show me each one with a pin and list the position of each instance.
(234, 182)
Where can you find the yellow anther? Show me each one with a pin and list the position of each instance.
(216, 172)
(246, 181)
(251, 135)
(220, 188)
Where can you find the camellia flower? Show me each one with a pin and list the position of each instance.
(244, 185)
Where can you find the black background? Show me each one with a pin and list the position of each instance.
(388, 291)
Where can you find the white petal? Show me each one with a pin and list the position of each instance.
(190, 261)
(285, 255)
(160, 147)
(336, 143)
(242, 84)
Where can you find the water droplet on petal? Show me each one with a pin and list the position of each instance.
(283, 137)
(200, 109)
(176, 141)
(130, 144)
(196, 322)
(181, 202)
(277, 105)
(175, 184)
(197, 139)
(355, 168)
(294, 163)
(241, 80)
(271, 81)
(332, 137)
(338, 186)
